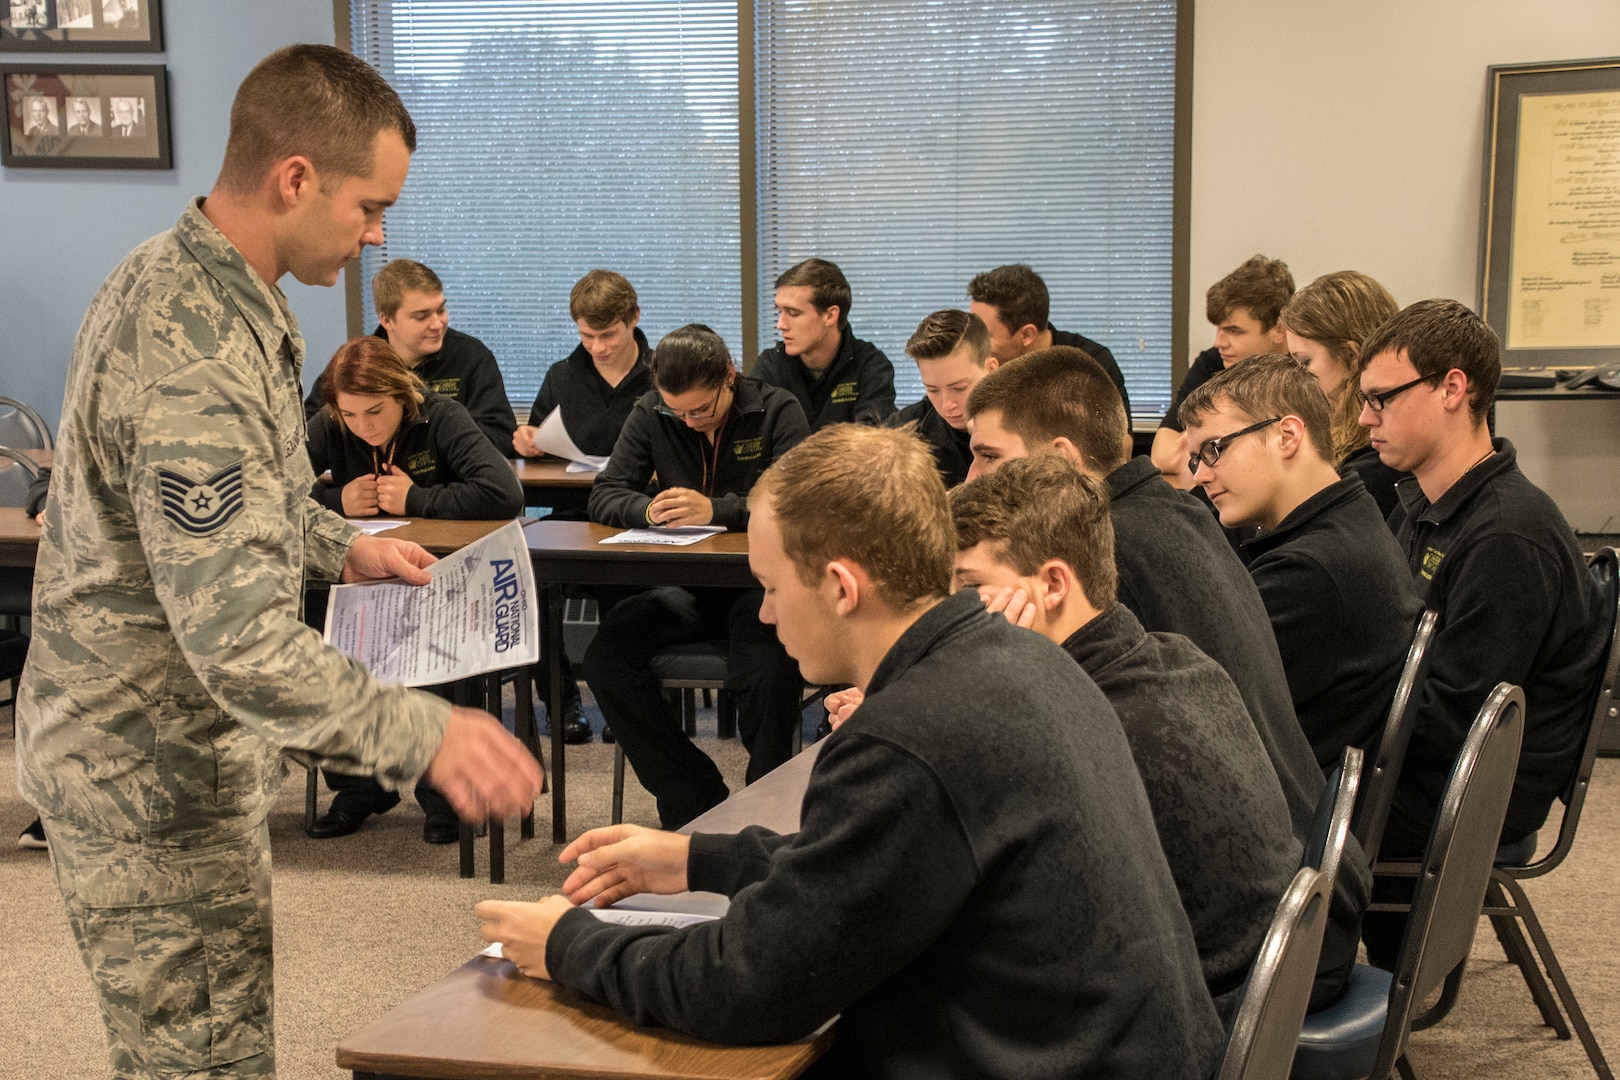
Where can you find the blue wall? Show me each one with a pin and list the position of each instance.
(63, 230)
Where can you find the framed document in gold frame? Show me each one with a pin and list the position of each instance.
(1549, 260)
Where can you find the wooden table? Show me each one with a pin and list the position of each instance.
(19, 537)
(570, 553)
(547, 482)
(484, 1021)
(442, 537)
(42, 458)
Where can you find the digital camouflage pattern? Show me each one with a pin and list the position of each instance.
(170, 667)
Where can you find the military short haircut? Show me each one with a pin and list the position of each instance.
(316, 101)
(826, 284)
(1438, 335)
(1038, 508)
(690, 357)
(602, 298)
(1057, 392)
(1271, 384)
(1017, 293)
(369, 367)
(882, 487)
(399, 277)
(1261, 286)
(943, 332)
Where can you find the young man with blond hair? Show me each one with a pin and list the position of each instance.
(1244, 307)
(598, 383)
(952, 352)
(1333, 579)
(837, 377)
(960, 923)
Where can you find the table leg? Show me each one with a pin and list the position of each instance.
(553, 645)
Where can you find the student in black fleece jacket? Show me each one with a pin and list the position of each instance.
(837, 377)
(1332, 577)
(394, 449)
(1492, 554)
(1177, 573)
(952, 352)
(971, 907)
(706, 434)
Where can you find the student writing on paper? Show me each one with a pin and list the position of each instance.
(707, 433)
(598, 383)
(395, 448)
(971, 906)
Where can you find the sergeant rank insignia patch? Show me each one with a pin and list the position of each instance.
(201, 507)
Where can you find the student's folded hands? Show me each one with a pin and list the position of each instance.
(523, 928)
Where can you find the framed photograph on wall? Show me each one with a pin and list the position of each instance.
(1549, 259)
(81, 26)
(86, 116)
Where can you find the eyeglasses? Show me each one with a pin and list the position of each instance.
(699, 415)
(1211, 451)
(1377, 399)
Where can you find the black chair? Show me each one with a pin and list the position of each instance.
(17, 474)
(13, 654)
(1384, 769)
(22, 426)
(1265, 1031)
(1364, 1034)
(1330, 831)
(1505, 900)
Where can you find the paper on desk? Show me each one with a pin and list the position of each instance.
(676, 536)
(373, 526)
(553, 438)
(478, 614)
(625, 917)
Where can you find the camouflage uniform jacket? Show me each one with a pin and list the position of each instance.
(170, 666)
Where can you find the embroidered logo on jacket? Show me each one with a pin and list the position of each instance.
(201, 507)
(421, 462)
(749, 449)
(446, 387)
(843, 392)
(1431, 563)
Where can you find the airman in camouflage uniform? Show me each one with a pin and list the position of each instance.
(170, 668)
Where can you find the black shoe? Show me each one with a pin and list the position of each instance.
(575, 729)
(33, 838)
(607, 735)
(441, 829)
(346, 816)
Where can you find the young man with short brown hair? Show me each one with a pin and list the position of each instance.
(952, 351)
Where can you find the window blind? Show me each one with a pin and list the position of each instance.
(556, 137)
(918, 142)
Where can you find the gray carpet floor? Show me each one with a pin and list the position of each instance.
(364, 921)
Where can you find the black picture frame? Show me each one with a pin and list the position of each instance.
(81, 26)
(85, 116)
(1549, 238)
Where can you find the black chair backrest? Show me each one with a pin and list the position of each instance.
(1330, 831)
(1605, 568)
(22, 426)
(1265, 1031)
(1385, 768)
(17, 475)
(1456, 865)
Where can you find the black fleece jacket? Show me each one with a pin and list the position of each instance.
(455, 472)
(1379, 479)
(973, 907)
(1343, 608)
(1098, 352)
(1219, 810)
(765, 422)
(593, 412)
(857, 387)
(1498, 561)
(953, 453)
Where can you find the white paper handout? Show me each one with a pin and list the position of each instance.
(478, 614)
(373, 526)
(672, 536)
(553, 438)
(626, 917)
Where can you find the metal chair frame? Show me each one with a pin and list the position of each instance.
(42, 430)
(1384, 769)
(1265, 1031)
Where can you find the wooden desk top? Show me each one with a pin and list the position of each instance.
(584, 538)
(571, 552)
(19, 537)
(484, 1021)
(550, 472)
(43, 458)
(443, 537)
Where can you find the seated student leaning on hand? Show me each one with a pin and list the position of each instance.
(396, 449)
(707, 434)
(969, 906)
